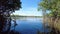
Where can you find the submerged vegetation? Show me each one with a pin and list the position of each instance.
(51, 12)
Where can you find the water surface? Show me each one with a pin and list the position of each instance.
(30, 25)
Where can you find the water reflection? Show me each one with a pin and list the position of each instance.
(28, 26)
(5, 26)
(8, 31)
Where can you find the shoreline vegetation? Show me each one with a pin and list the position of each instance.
(18, 16)
(51, 10)
(7, 7)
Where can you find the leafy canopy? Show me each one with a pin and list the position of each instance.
(9, 5)
(51, 5)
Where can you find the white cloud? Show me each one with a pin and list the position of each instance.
(28, 12)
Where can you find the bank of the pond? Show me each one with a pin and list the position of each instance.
(54, 26)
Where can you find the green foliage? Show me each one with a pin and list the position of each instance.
(9, 5)
(51, 5)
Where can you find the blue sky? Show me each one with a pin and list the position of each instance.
(29, 8)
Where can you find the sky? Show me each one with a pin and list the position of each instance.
(29, 8)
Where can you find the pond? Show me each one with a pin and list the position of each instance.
(30, 25)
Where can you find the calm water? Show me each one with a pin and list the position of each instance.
(30, 25)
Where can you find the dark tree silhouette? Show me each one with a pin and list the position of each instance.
(6, 8)
(9, 5)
